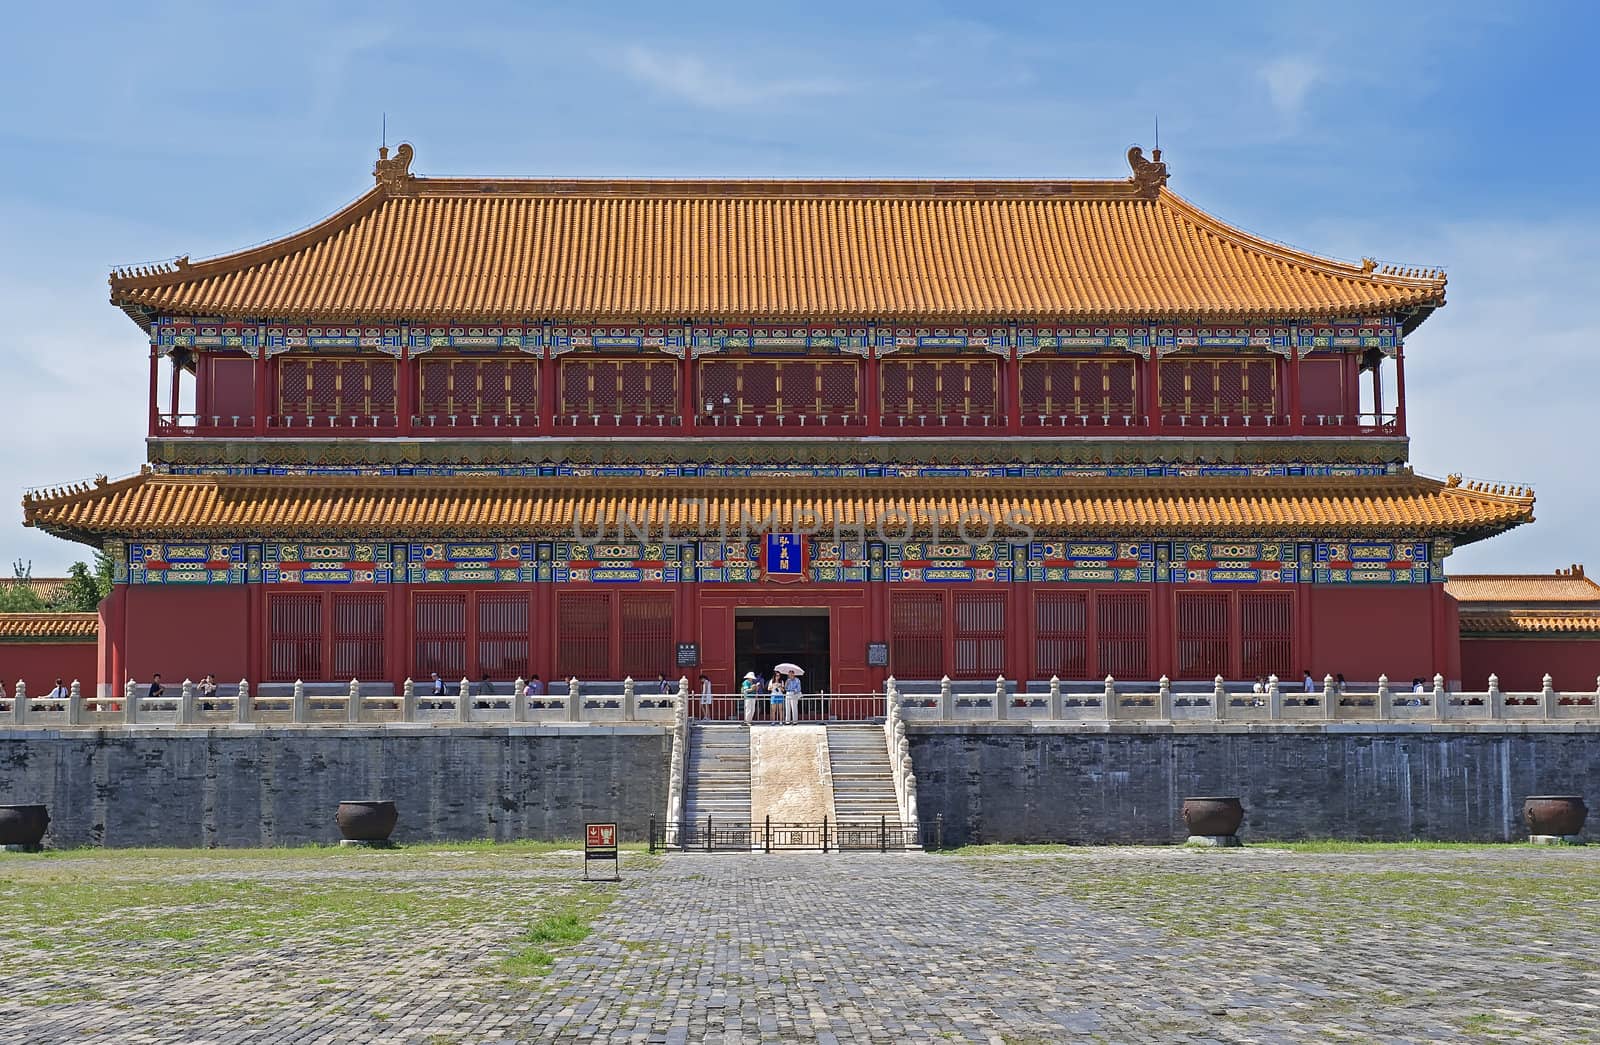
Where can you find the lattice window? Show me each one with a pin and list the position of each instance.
(629, 387)
(1072, 388)
(294, 637)
(338, 388)
(769, 387)
(439, 636)
(1202, 634)
(1219, 387)
(503, 634)
(583, 635)
(943, 391)
(478, 388)
(1122, 628)
(1061, 634)
(916, 634)
(1265, 629)
(980, 634)
(358, 619)
(646, 635)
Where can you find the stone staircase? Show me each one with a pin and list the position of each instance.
(863, 788)
(717, 783)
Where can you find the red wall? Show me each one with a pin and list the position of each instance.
(1361, 632)
(41, 663)
(1403, 631)
(1572, 664)
(186, 632)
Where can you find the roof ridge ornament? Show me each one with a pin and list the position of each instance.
(393, 174)
(1148, 175)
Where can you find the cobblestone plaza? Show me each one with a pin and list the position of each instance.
(437, 945)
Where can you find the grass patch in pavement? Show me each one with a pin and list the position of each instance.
(566, 924)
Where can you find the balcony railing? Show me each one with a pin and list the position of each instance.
(746, 425)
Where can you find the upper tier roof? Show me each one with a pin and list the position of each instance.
(482, 249)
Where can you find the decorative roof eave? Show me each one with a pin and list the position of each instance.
(1537, 623)
(156, 506)
(49, 627)
(204, 288)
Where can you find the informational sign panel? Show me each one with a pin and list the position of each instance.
(688, 654)
(877, 654)
(786, 557)
(600, 843)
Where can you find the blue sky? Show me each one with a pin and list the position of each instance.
(1458, 135)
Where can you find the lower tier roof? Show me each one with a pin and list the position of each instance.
(49, 627)
(153, 506)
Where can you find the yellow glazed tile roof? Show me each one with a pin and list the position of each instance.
(1531, 622)
(421, 248)
(157, 505)
(49, 627)
(1568, 585)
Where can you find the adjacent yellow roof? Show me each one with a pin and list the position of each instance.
(486, 249)
(1531, 622)
(158, 505)
(1563, 586)
(49, 627)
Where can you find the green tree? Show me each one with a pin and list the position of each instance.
(19, 596)
(80, 594)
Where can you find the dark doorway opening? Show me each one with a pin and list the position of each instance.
(767, 636)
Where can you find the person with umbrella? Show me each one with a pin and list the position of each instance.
(791, 690)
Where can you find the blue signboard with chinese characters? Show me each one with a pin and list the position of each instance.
(784, 555)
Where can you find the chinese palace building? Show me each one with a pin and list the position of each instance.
(599, 428)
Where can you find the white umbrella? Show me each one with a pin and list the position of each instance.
(789, 669)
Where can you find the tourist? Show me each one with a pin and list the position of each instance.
(437, 690)
(747, 689)
(1308, 683)
(1338, 684)
(791, 703)
(156, 690)
(1261, 684)
(774, 707)
(661, 685)
(208, 693)
(61, 692)
(535, 687)
(705, 695)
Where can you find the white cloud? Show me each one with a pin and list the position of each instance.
(689, 79)
(1289, 79)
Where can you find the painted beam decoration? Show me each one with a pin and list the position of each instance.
(758, 339)
(337, 562)
(775, 557)
(186, 562)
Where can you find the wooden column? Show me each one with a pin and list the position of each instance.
(549, 389)
(689, 406)
(262, 402)
(1011, 382)
(172, 397)
(1400, 390)
(1296, 421)
(155, 380)
(871, 404)
(406, 390)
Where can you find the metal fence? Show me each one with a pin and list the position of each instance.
(713, 835)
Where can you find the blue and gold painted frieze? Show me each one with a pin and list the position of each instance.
(617, 563)
(186, 562)
(469, 562)
(1083, 340)
(617, 338)
(327, 562)
(1189, 562)
(778, 340)
(1090, 562)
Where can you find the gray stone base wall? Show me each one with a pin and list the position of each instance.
(281, 786)
(1040, 783)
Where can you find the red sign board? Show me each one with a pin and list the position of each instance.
(600, 843)
(601, 836)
